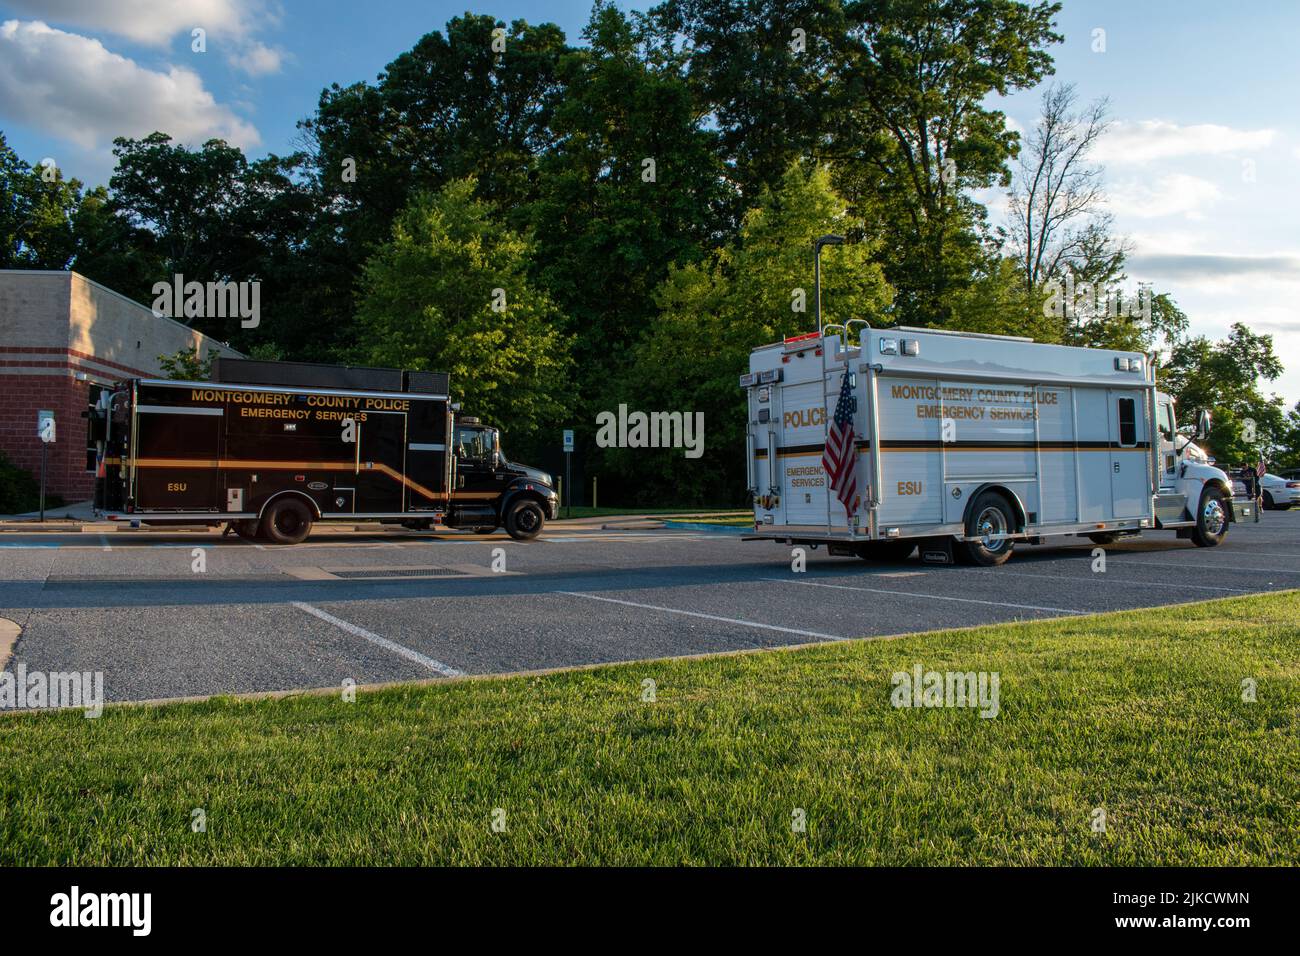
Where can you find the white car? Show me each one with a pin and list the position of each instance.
(1279, 493)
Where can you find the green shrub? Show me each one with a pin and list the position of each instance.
(19, 490)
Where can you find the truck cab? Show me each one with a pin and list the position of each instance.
(1190, 488)
(490, 491)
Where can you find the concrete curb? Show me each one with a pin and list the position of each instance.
(9, 632)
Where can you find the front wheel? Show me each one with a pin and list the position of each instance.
(524, 520)
(1211, 519)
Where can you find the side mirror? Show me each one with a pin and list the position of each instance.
(1203, 423)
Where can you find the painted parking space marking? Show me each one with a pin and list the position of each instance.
(928, 597)
(1105, 579)
(398, 649)
(707, 617)
(1209, 567)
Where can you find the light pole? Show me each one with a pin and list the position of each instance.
(827, 240)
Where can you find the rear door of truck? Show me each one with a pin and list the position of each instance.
(178, 442)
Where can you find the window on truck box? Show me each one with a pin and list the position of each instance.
(1128, 422)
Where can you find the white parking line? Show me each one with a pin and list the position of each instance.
(1212, 567)
(1106, 579)
(707, 617)
(410, 655)
(928, 597)
(103, 539)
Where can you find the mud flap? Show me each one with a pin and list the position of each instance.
(937, 551)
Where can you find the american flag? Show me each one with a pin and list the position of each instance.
(840, 455)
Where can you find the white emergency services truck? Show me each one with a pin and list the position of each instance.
(966, 443)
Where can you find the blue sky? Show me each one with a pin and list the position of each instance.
(1202, 166)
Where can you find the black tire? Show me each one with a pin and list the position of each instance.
(485, 529)
(1211, 519)
(889, 552)
(990, 515)
(524, 519)
(287, 521)
(1104, 537)
(1269, 503)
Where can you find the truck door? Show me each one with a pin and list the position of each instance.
(1129, 449)
(381, 463)
(802, 439)
(177, 449)
(476, 481)
(1165, 426)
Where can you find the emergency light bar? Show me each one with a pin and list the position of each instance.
(794, 341)
(749, 380)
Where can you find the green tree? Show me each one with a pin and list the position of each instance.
(712, 314)
(632, 185)
(450, 292)
(763, 71)
(37, 206)
(1224, 377)
(187, 365)
(916, 135)
(1287, 453)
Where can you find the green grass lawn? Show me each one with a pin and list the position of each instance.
(1137, 713)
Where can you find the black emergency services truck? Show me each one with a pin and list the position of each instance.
(269, 448)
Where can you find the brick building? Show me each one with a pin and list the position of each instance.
(63, 338)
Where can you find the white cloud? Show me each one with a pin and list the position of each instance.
(257, 59)
(231, 25)
(71, 87)
(1183, 265)
(153, 22)
(1171, 195)
(1145, 141)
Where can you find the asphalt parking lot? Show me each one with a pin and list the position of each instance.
(184, 613)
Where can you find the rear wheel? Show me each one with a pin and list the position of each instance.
(1269, 504)
(887, 551)
(1211, 519)
(991, 521)
(287, 521)
(524, 520)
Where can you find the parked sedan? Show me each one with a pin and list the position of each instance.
(1279, 493)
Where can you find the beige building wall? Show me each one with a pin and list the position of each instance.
(61, 334)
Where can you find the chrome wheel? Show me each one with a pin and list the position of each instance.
(991, 526)
(1213, 517)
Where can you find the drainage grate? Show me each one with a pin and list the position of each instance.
(398, 573)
